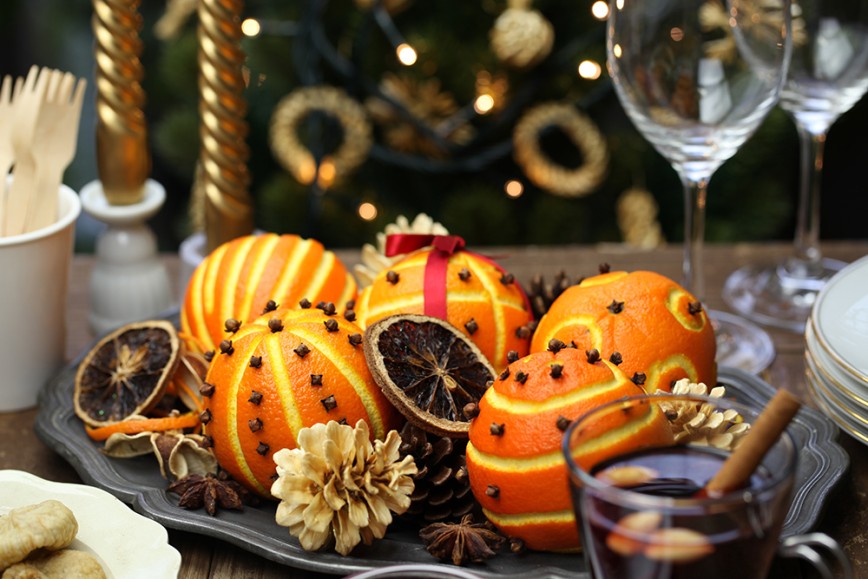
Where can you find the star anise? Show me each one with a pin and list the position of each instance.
(211, 492)
(462, 542)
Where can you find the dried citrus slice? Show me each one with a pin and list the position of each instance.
(428, 369)
(126, 372)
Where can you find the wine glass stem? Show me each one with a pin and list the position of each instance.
(694, 234)
(807, 241)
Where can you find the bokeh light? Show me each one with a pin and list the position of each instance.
(406, 54)
(589, 69)
(513, 188)
(251, 27)
(368, 211)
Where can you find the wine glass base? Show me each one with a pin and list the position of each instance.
(770, 295)
(741, 344)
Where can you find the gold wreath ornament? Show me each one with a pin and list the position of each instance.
(296, 158)
(582, 132)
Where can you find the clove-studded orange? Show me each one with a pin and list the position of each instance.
(655, 329)
(514, 461)
(482, 301)
(284, 371)
(241, 276)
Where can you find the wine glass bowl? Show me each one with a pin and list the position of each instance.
(697, 77)
(828, 74)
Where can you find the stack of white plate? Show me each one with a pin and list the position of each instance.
(836, 349)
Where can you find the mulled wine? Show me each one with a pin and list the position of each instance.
(648, 523)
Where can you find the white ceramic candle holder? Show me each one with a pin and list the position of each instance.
(128, 281)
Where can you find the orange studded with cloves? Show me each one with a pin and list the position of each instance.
(514, 461)
(652, 327)
(482, 301)
(239, 279)
(284, 371)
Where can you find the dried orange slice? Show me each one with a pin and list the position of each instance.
(428, 369)
(126, 372)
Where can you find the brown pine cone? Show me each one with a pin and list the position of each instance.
(542, 294)
(442, 491)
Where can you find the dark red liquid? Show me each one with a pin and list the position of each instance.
(737, 542)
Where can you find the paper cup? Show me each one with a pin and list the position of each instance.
(34, 275)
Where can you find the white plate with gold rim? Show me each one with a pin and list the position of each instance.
(840, 319)
(829, 407)
(849, 386)
(126, 544)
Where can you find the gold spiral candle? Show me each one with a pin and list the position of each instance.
(223, 178)
(123, 158)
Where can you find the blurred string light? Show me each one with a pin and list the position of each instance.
(406, 54)
(616, 50)
(251, 27)
(490, 92)
(590, 70)
(483, 104)
(368, 211)
(600, 10)
(513, 188)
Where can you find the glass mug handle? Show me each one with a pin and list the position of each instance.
(815, 548)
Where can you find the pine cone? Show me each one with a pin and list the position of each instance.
(442, 492)
(542, 295)
(704, 424)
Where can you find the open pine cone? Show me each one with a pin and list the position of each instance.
(703, 424)
(542, 294)
(442, 492)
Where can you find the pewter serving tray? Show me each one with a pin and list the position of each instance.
(137, 482)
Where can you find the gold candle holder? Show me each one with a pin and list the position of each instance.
(222, 175)
(123, 157)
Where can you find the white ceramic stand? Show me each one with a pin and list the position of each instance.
(192, 252)
(128, 282)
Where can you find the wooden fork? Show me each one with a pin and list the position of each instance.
(25, 112)
(8, 94)
(54, 144)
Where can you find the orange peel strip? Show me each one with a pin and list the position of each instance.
(189, 420)
(190, 338)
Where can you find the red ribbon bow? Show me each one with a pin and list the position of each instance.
(434, 288)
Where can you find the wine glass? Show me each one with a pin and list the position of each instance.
(697, 77)
(827, 76)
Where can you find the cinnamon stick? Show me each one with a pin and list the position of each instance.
(738, 468)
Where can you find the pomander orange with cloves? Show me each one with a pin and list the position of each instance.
(652, 327)
(241, 276)
(482, 301)
(514, 460)
(284, 371)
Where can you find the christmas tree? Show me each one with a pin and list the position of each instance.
(496, 117)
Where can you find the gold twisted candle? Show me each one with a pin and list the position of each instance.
(223, 177)
(123, 158)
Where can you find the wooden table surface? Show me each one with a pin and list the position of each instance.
(846, 515)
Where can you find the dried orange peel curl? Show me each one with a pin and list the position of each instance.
(139, 424)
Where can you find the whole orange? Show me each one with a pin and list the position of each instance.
(514, 460)
(284, 371)
(238, 279)
(481, 300)
(659, 330)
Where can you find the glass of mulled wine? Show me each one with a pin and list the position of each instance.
(640, 504)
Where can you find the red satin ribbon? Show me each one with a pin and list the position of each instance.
(434, 288)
